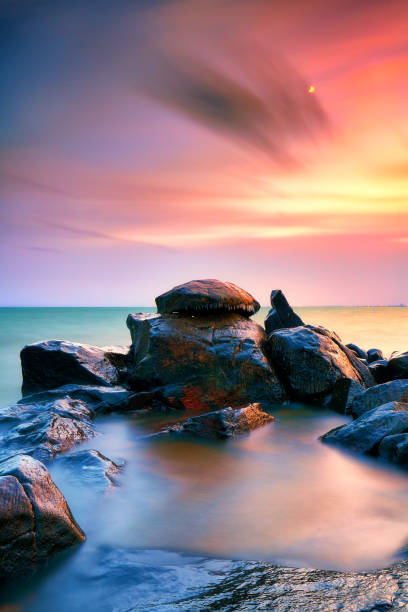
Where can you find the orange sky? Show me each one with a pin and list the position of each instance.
(142, 147)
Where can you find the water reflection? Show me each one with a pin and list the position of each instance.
(277, 494)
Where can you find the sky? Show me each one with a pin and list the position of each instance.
(147, 143)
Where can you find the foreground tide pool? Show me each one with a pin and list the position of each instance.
(185, 524)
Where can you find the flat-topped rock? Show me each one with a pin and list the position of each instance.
(35, 519)
(207, 296)
(201, 362)
(225, 423)
(51, 364)
(310, 360)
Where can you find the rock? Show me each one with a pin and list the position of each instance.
(225, 423)
(207, 297)
(395, 449)
(89, 468)
(398, 366)
(396, 390)
(343, 394)
(35, 519)
(379, 370)
(50, 364)
(201, 362)
(365, 433)
(102, 400)
(374, 355)
(357, 350)
(310, 360)
(281, 315)
(44, 429)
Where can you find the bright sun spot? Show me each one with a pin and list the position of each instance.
(311, 89)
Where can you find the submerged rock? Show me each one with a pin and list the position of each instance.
(35, 519)
(365, 433)
(281, 315)
(396, 390)
(43, 429)
(51, 364)
(225, 423)
(90, 468)
(310, 360)
(200, 362)
(207, 296)
(398, 366)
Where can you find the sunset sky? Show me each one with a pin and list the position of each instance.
(144, 144)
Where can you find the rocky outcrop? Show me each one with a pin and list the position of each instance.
(35, 519)
(281, 315)
(224, 423)
(101, 400)
(207, 296)
(357, 350)
(51, 364)
(201, 362)
(365, 433)
(43, 429)
(89, 468)
(374, 355)
(398, 366)
(396, 390)
(310, 360)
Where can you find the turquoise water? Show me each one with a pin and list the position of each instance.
(277, 494)
(384, 328)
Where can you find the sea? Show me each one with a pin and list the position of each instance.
(183, 511)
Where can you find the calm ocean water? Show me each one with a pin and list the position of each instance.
(277, 494)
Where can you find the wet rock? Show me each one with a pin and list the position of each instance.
(396, 390)
(343, 394)
(365, 433)
(207, 297)
(379, 370)
(102, 400)
(398, 366)
(374, 355)
(89, 468)
(310, 360)
(201, 362)
(281, 315)
(395, 449)
(51, 364)
(225, 423)
(357, 350)
(35, 519)
(44, 429)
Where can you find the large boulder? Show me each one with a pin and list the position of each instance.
(281, 315)
(35, 519)
(396, 390)
(43, 429)
(207, 296)
(225, 423)
(398, 366)
(51, 364)
(395, 449)
(201, 362)
(310, 360)
(365, 433)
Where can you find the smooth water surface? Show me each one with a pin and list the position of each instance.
(277, 494)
